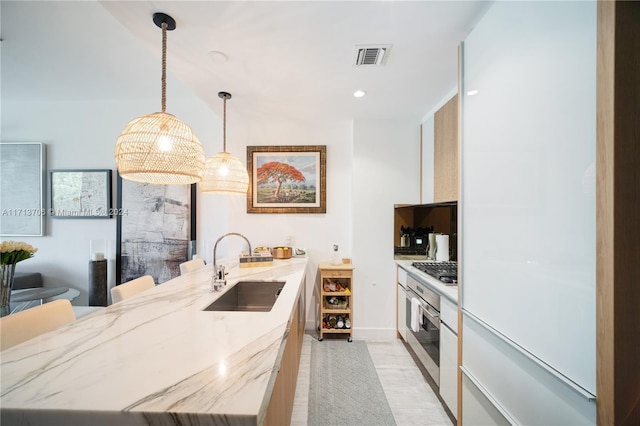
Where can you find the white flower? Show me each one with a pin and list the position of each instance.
(15, 251)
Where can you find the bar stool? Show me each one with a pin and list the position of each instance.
(191, 265)
(24, 325)
(131, 288)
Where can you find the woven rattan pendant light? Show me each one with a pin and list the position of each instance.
(159, 148)
(224, 173)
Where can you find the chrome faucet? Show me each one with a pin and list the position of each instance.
(218, 279)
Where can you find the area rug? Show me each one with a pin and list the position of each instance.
(344, 388)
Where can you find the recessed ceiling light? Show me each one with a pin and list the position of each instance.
(359, 93)
(218, 57)
(472, 92)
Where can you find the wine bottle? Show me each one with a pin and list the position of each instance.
(332, 321)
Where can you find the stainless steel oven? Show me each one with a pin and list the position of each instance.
(425, 342)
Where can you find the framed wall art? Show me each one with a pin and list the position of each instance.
(156, 229)
(22, 188)
(80, 194)
(287, 179)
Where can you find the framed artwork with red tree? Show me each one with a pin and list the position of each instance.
(287, 179)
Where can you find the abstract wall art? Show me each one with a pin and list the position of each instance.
(155, 230)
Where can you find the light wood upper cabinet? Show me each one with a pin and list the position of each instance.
(445, 175)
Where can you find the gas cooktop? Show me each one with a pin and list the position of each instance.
(445, 272)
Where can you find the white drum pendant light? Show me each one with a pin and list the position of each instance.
(224, 173)
(159, 148)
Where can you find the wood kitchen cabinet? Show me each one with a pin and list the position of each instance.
(336, 299)
(445, 152)
(439, 155)
(281, 402)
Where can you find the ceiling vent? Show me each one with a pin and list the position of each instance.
(374, 55)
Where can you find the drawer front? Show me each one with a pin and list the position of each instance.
(449, 314)
(337, 274)
(494, 364)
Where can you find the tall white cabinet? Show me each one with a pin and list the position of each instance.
(528, 214)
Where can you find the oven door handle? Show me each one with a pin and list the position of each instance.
(434, 317)
(411, 294)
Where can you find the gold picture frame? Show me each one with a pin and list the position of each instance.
(287, 179)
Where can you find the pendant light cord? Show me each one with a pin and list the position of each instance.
(164, 67)
(224, 126)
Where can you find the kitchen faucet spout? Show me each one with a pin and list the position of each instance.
(218, 271)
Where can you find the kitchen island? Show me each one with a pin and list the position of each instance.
(158, 358)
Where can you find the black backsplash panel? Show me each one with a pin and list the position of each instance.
(419, 220)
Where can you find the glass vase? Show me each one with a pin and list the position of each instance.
(6, 285)
(335, 257)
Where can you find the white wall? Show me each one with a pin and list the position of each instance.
(385, 172)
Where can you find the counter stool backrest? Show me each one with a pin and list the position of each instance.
(130, 288)
(191, 265)
(24, 325)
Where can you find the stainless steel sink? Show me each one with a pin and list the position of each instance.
(249, 296)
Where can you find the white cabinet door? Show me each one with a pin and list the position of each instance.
(402, 312)
(518, 179)
(449, 368)
(477, 409)
(449, 314)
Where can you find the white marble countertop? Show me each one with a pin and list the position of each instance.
(155, 359)
(450, 292)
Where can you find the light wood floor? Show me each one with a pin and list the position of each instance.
(410, 397)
